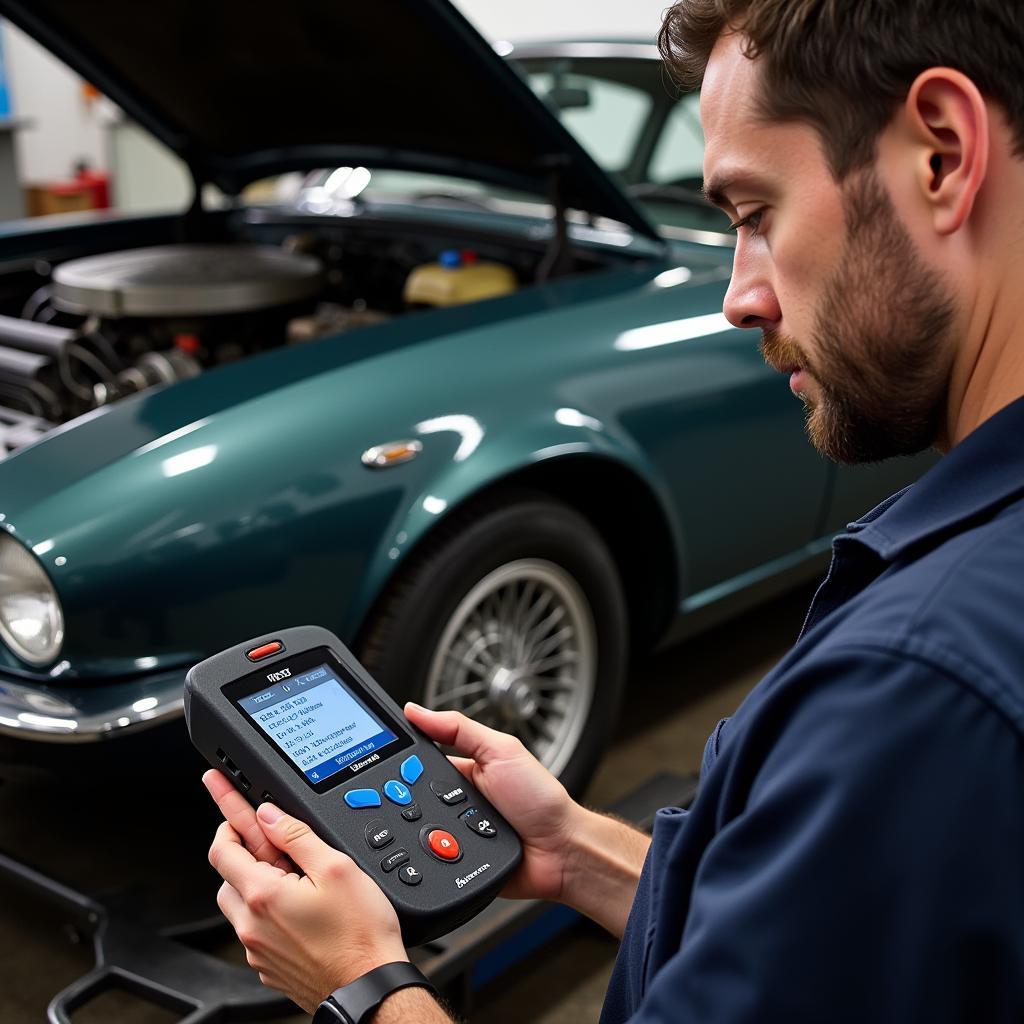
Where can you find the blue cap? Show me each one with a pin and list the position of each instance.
(450, 258)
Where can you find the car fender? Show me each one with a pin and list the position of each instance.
(153, 571)
(549, 434)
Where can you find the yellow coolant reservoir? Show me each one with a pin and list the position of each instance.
(458, 277)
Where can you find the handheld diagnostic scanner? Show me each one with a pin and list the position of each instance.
(293, 718)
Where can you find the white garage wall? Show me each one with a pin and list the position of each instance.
(62, 128)
(564, 19)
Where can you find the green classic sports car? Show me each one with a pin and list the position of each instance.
(457, 399)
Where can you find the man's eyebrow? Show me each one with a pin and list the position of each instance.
(715, 190)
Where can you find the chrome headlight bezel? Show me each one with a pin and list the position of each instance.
(22, 577)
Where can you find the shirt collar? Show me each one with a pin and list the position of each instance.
(981, 474)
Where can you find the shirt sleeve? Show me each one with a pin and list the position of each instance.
(872, 868)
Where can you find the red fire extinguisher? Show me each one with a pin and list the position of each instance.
(98, 183)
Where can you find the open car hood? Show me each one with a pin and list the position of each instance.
(242, 89)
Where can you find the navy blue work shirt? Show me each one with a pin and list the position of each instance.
(856, 850)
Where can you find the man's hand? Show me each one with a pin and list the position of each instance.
(531, 799)
(588, 861)
(306, 934)
(239, 814)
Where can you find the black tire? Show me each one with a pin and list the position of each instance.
(407, 625)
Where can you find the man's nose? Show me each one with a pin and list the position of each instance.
(750, 300)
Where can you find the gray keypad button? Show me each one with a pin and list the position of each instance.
(448, 793)
(392, 860)
(411, 875)
(379, 834)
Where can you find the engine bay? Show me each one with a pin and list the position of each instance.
(96, 328)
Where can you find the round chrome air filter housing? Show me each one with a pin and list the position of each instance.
(185, 280)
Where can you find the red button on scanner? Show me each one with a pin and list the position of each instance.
(259, 653)
(443, 844)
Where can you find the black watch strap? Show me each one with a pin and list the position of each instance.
(354, 1003)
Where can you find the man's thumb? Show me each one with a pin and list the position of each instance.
(297, 839)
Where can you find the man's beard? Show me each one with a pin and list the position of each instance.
(882, 339)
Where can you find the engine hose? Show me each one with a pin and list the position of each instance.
(98, 367)
(24, 394)
(36, 301)
(44, 402)
(47, 396)
(102, 342)
(68, 379)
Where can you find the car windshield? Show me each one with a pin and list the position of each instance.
(625, 112)
(621, 109)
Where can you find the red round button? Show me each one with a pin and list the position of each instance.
(443, 844)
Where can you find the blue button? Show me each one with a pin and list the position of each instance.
(412, 769)
(396, 793)
(362, 798)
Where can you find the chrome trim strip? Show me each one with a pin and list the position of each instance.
(87, 714)
(542, 212)
(696, 235)
(533, 51)
(582, 226)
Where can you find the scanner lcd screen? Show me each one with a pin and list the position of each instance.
(317, 722)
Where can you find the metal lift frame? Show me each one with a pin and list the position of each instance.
(157, 964)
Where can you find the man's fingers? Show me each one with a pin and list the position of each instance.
(465, 766)
(231, 904)
(217, 784)
(235, 864)
(242, 818)
(296, 839)
(468, 737)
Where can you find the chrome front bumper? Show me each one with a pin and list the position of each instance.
(87, 713)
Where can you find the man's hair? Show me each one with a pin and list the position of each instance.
(844, 66)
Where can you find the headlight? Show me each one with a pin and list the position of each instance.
(31, 620)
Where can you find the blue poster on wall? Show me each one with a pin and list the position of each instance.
(5, 99)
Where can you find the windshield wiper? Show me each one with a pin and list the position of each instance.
(454, 197)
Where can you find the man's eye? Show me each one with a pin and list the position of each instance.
(752, 221)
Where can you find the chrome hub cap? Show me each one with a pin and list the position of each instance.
(512, 694)
(520, 654)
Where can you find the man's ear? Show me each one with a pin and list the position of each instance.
(949, 125)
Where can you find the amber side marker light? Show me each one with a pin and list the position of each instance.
(383, 456)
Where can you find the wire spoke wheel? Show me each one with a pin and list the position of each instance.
(519, 653)
(511, 612)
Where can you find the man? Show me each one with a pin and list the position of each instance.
(856, 851)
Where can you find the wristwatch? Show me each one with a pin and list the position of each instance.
(353, 1003)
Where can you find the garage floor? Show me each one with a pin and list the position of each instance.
(103, 830)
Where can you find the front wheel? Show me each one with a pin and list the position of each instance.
(513, 614)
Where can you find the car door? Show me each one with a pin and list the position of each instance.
(726, 435)
(858, 489)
